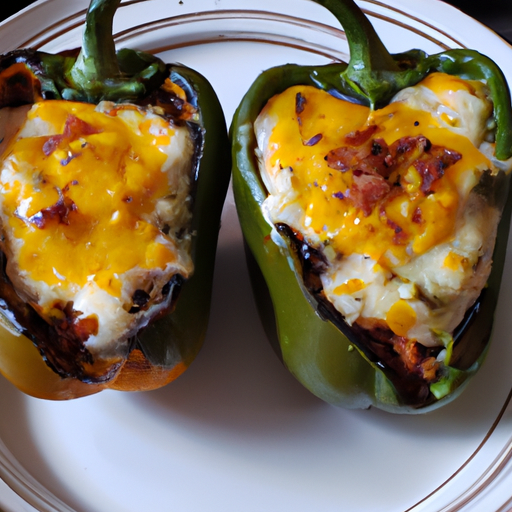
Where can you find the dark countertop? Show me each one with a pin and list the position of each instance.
(496, 14)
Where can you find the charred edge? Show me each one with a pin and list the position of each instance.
(412, 389)
(170, 293)
(196, 129)
(174, 107)
(21, 87)
(65, 355)
(141, 299)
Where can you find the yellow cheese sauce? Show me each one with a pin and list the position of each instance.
(321, 190)
(81, 194)
(418, 255)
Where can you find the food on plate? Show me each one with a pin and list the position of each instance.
(113, 174)
(371, 199)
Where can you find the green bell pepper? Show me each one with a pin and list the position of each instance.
(33, 354)
(337, 362)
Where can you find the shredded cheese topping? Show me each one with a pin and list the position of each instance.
(386, 195)
(94, 201)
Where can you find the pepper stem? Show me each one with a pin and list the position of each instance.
(97, 59)
(373, 74)
(366, 48)
(101, 73)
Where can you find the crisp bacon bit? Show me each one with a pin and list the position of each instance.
(51, 144)
(400, 235)
(396, 228)
(60, 211)
(86, 327)
(430, 161)
(358, 138)
(342, 159)
(372, 156)
(71, 327)
(413, 355)
(313, 140)
(373, 161)
(367, 190)
(416, 216)
(431, 166)
(408, 149)
(76, 127)
(73, 130)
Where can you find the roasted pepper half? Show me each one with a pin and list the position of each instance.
(114, 171)
(369, 196)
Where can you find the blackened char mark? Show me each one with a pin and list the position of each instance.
(20, 87)
(61, 344)
(59, 211)
(140, 299)
(412, 389)
(312, 261)
(170, 293)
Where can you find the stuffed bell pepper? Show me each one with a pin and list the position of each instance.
(373, 199)
(113, 175)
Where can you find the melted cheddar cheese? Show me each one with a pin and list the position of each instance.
(406, 241)
(95, 206)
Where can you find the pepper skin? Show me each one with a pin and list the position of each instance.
(30, 351)
(331, 359)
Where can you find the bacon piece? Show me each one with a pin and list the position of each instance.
(431, 165)
(429, 160)
(372, 161)
(60, 211)
(70, 326)
(345, 158)
(416, 216)
(73, 130)
(407, 150)
(415, 358)
(367, 189)
(373, 156)
(400, 235)
(358, 138)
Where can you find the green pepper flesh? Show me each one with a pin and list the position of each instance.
(321, 356)
(170, 343)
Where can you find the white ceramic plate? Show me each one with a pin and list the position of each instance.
(236, 433)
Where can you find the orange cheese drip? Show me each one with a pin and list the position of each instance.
(320, 188)
(109, 179)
